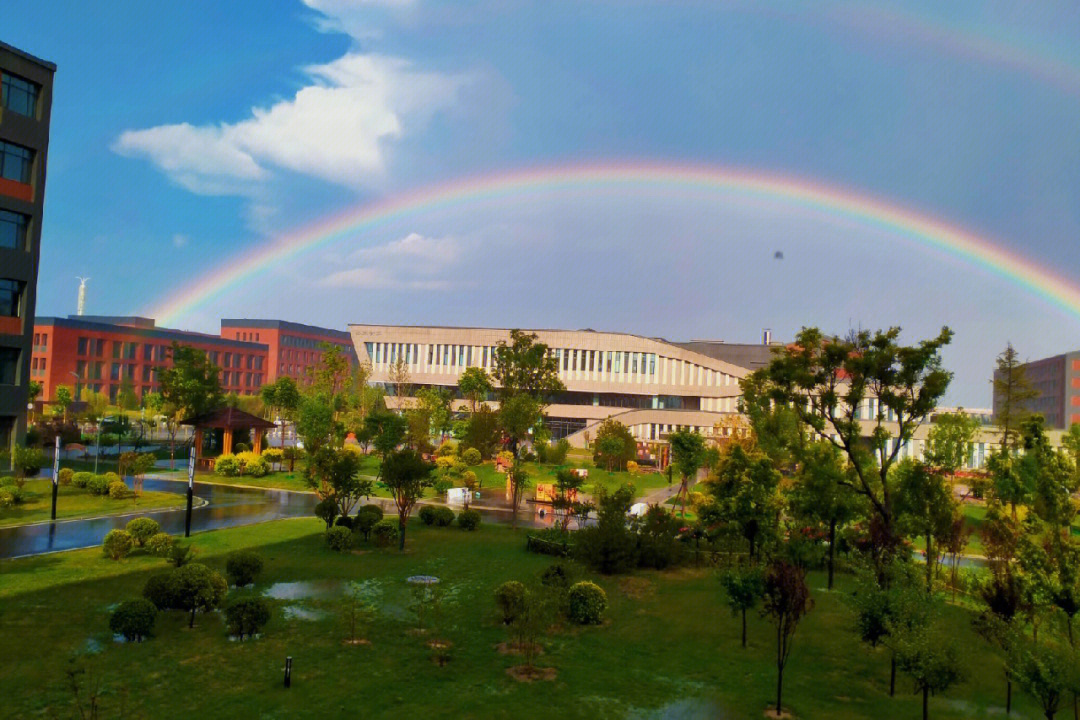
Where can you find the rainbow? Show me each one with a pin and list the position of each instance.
(781, 192)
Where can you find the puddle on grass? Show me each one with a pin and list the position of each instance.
(249, 638)
(305, 590)
(92, 646)
(296, 612)
(684, 709)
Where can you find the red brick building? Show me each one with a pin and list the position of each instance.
(100, 353)
(292, 347)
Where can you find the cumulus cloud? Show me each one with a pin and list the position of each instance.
(360, 19)
(335, 129)
(413, 262)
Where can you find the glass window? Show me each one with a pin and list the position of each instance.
(250, 361)
(13, 230)
(114, 371)
(633, 363)
(44, 340)
(9, 365)
(15, 162)
(147, 353)
(19, 95)
(10, 298)
(228, 359)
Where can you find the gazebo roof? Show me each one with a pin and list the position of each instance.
(228, 418)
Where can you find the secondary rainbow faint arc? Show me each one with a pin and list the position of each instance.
(828, 200)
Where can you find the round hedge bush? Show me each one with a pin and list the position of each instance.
(471, 456)
(242, 567)
(510, 598)
(161, 590)
(134, 619)
(118, 490)
(444, 516)
(112, 477)
(339, 538)
(117, 544)
(65, 476)
(586, 603)
(142, 529)
(344, 521)
(247, 616)
(365, 519)
(427, 514)
(468, 519)
(384, 533)
(98, 485)
(226, 466)
(160, 544)
(81, 479)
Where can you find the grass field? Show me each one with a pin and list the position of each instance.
(669, 649)
(72, 502)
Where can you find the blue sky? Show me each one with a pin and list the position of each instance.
(185, 134)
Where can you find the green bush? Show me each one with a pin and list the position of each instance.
(134, 619)
(427, 514)
(81, 479)
(510, 598)
(259, 468)
(442, 485)
(339, 538)
(242, 567)
(117, 544)
(385, 533)
(160, 544)
(247, 616)
(471, 456)
(161, 590)
(326, 510)
(111, 477)
(344, 521)
(227, 466)
(118, 490)
(98, 485)
(365, 519)
(557, 452)
(28, 461)
(142, 529)
(273, 456)
(555, 576)
(468, 519)
(7, 497)
(586, 603)
(241, 448)
(444, 516)
(447, 449)
(65, 475)
(549, 541)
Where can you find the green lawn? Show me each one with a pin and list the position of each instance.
(75, 502)
(668, 642)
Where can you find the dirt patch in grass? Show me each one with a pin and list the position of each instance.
(637, 588)
(358, 641)
(526, 673)
(782, 715)
(439, 644)
(518, 648)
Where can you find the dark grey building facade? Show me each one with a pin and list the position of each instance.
(1057, 380)
(25, 106)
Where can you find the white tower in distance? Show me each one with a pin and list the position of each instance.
(82, 294)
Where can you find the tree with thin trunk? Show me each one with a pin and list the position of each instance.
(407, 475)
(928, 655)
(822, 496)
(400, 381)
(63, 399)
(687, 457)
(518, 480)
(743, 587)
(475, 385)
(1012, 393)
(925, 505)
(1047, 671)
(785, 600)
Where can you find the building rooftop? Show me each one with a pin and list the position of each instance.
(92, 324)
(27, 56)
(286, 326)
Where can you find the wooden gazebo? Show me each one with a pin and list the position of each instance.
(228, 420)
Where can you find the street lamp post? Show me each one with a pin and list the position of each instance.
(55, 474)
(190, 489)
(97, 453)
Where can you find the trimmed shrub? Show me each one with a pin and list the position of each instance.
(427, 514)
(134, 619)
(27, 461)
(468, 519)
(7, 498)
(444, 516)
(81, 479)
(365, 519)
(326, 510)
(198, 588)
(510, 598)
(447, 449)
(118, 490)
(442, 485)
(586, 603)
(470, 480)
(247, 616)
(631, 466)
(111, 477)
(160, 545)
(445, 462)
(555, 576)
(142, 529)
(117, 544)
(339, 538)
(274, 456)
(384, 533)
(65, 475)
(471, 456)
(226, 466)
(242, 567)
(344, 521)
(249, 463)
(160, 589)
(241, 448)
(98, 485)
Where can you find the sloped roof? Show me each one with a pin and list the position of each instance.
(228, 418)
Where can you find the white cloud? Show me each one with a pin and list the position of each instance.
(358, 18)
(179, 240)
(335, 129)
(414, 262)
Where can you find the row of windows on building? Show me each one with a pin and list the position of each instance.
(16, 162)
(95, 347)
(570, 360)
(11, 297)
(247, 336)
(19, 95)
(14, 230)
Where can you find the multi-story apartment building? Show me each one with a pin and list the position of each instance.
(103, 353)
(25, 106)
(292, 347)
(1057, 380)
(652, 385)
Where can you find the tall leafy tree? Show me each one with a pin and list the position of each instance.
(926, 507)
(435, 402)
(63, 399)
(475, 385)
(331, 375)
(527, 374)
(786, 601)
(1012, 393)
(687, 457)
(315, 423)
(614, 445)
(407, 475)
(948, 444)
(929, 656)
(335, 474)
(745, 489)
(191, 384)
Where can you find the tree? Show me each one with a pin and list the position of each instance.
(191, 385)
(1046, 671)
(197, 587)
(822, 495)
(928, 656)
(418, 430)
(63, 399)
(785, 600)
(925, 505)
(286, 397)
(609, 546)
(614, 445)
(746, 492)
(400, 380)
(315, 423)
(475, 385)
(1051, 475)
(743, 587)
(406, 475)
(435, 402)
(518, 480)
(997, 624)
(125, 396)
(687, 457)
(948, 444)
(33, 391)
(567, 484)
(386, 431)
(527, 374)
(482, 432)
(518, 415)
(827, 383)
(335, 474)
(331, 374)
(1012, 392)
(157, 405)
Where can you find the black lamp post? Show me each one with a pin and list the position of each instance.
(190, 489)
(55, 474)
